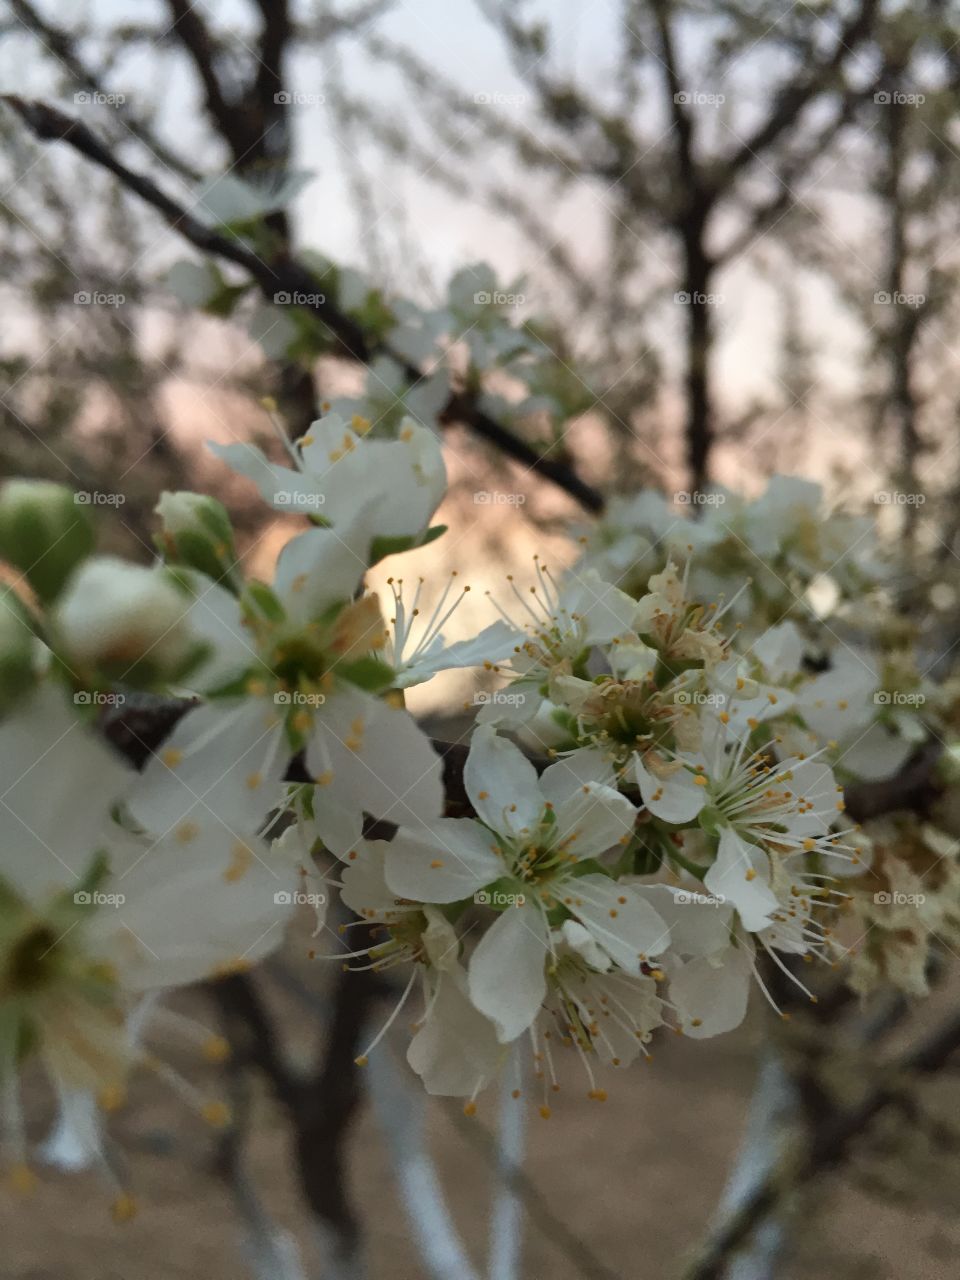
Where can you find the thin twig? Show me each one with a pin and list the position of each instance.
(284, 274)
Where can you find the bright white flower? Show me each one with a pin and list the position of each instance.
(385, 490)
(455, 1049)
(760, 812)
(296, 668)
(92, 916)
(526, 849)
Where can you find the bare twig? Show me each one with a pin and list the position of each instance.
(284, 274)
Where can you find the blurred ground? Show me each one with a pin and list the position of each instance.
(636, 1178)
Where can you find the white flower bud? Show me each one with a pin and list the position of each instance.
(125, 620)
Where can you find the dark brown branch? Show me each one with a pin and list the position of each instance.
(793, 98)
(286, 275)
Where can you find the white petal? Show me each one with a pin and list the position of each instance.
(627, 927)
(456, 1051)
(506, 975)
(585, 765)
(320, 568)
(593, 819)
(676, 797)
(502, 784)
(699, 924)
(603, 610)
(193, 903)
(57, 783)
(447, 862)
(227, 759)
(741, 876)
(712, 994)
(876, 754)
(493, 644)
(377, 758)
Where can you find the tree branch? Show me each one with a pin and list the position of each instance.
(286, 275)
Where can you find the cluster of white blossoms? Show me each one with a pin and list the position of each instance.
(650, 813)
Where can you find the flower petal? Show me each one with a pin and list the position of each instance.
(447, 862)
(674, 797)
(506, 975)
(502, 784)
(741, 876)
(623, 923)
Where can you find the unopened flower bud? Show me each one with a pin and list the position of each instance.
(17, 648)
(196, 532)
(44, 532)
(126, 622)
